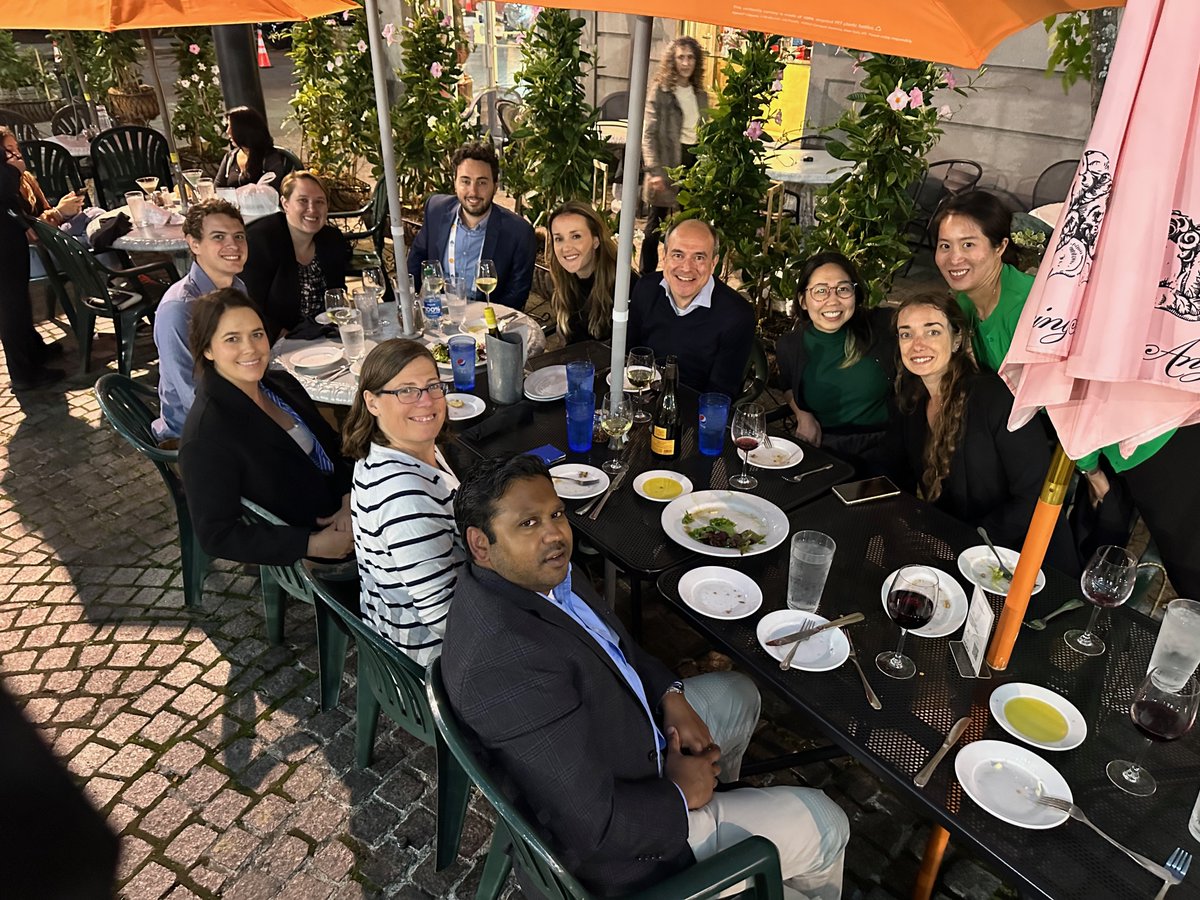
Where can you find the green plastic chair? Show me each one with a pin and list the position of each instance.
(332, 638)
(56, 170)
(755, 858)
(390, 680)
(100, 292)
(122, 155)
(754, 380)
(124, 403)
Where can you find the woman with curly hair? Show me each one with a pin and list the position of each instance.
(676, 102)
(583, 269)
(951, 442)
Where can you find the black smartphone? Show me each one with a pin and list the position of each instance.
(549, 454)
(870, 489)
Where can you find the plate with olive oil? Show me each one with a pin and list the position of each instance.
(1038, 716)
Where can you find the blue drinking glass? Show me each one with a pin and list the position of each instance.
(714, 419)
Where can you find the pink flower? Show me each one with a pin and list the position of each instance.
(362, 46)
(754, 130)
(778, 118)
(916, 98)
(446, 22)
(389, 33)
(897, 99)
(945, 112)
(194, 49)
(346, 15)
(435, 69)
(951, 81)
(856, 68)
(777, 85)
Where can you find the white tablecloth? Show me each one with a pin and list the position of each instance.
(150, 238)
(78, 146)
(795, 166)
(340, 391)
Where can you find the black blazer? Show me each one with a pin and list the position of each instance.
(272, 276)
(231, 449)
(508, 242)
(230, 175)
(565, 734)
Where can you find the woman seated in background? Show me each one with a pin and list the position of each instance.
(254, 433)
(583, 268)
(951, 441)
(294, 257)
(407, 545)
(253, 153)
(838, 365)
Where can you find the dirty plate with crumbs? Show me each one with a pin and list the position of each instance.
(720, 593)
(1006, 780)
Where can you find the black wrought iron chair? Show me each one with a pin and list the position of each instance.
(615, 106)
(940, 180)
(54, 167)
(122, 155)
(369, 222)
(70, 120)
(20, 125)
(507, 110)
(1054, 183)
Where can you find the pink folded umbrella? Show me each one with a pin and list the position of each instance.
(1109, 341)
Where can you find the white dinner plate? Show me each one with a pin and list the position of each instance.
(819, 653)
(1076, 726)
(720, 593)
(628, 387)
(322, 318)
(445, 369)
(315, 360)
(744, 510)
(951, 609)
(976, 563)
(547, 384)
(471, 407)
(685, 484)
(1005, 779)
(568, 490)
(782, 454)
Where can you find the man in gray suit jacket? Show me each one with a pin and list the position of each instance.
(610, 757)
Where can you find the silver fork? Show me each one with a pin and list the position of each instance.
(1177, 864)
(1076, 813)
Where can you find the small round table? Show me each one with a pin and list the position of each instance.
(807, 170)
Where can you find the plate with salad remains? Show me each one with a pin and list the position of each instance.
(724, 523)
(978, 566)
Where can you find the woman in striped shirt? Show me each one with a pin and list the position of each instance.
(402, 500)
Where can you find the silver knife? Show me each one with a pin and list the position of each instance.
(805, 633)
(616, 482)
(922, 777)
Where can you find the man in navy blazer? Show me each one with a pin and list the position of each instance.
(612, 760)
(481, 230)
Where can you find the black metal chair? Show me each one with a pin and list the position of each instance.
(615, 106)
(70, 120)
(372, 222)
(814, 141)
(20, 125)
(507, 111)
(940, 180)
(294, 164)
(54, 168)
(122, 155)
(1054, 183)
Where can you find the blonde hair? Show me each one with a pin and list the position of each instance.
(290, 179)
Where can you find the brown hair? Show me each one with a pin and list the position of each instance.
(290, 179)
(946, 431)
(193, 222)
(667, 76)
(480, 152)
(206, 312)
(597, 306)
(385, 362)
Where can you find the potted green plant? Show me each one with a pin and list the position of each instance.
(26, 86)
(199, 110)
(117, 72)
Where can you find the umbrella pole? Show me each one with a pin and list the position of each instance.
(387, 154)
(1033, 552)
(176, 170)
(639, 69)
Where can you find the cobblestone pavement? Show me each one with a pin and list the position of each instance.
(204, 747)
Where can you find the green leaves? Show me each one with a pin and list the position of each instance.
(1070, 47)
(198, 117)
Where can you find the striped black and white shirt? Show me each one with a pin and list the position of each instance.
(408, 548)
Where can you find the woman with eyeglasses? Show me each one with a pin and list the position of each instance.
(254, 433)
(409, 552)
(838, 364)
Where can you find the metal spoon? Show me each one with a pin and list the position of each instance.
(1039, 624)
(796, 479)
(987, 540)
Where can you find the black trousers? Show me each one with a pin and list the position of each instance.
(23, 347)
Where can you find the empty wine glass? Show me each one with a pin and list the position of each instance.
(748, 430)
(337, 305)
(911, 600)
(1107, 581)
(372, 279)
(639, 372)
(1161, 714)
(148, 183)
(616, 420)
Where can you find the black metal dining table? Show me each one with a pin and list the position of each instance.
(1068, 861)
(629, 531)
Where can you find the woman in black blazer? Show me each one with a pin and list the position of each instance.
(253, 153)
(951, 442)
(295, 256)
(255, 434)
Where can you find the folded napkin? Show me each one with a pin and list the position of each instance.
(310, 330)
(505, 418)
(118, 227)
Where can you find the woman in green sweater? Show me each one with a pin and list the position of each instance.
(838, 364)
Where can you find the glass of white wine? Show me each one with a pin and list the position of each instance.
(639, 371)
(433, 276)
(616, 419)
(337, 305)
(485, 278)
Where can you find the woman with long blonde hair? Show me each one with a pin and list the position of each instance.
(583, 269)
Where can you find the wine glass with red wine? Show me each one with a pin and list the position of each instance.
(911, 600)
(1107, 582)
(1161, 714)
(748, 430)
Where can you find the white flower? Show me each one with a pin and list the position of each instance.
(195, 78)
(338, 60)
(325, 139)
(215, 70)
(202, 67)
(329, 66)
(431, 121)
(216, 80)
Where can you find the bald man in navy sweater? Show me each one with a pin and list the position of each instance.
(687, 313)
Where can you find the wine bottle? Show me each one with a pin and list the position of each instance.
(489, 319)
(665, 432)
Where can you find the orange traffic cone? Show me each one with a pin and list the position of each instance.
(264, 61)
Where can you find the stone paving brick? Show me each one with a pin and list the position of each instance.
(152, 882)
(224, 808)
(202, 783)
(181, 758)
(165, 818)
(186, 847)
(146, 789)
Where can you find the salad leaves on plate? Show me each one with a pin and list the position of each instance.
(722, 532)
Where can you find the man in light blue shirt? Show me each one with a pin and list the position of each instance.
(216, 235)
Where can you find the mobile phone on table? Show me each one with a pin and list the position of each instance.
(549, 454)
(855, 492)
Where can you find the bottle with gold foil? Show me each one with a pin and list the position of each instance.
(665, 433)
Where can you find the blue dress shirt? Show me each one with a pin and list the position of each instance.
(468, 245)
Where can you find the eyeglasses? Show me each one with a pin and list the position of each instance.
(845, 290)
(413, 394)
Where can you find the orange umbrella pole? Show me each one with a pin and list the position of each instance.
(1033, 552)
